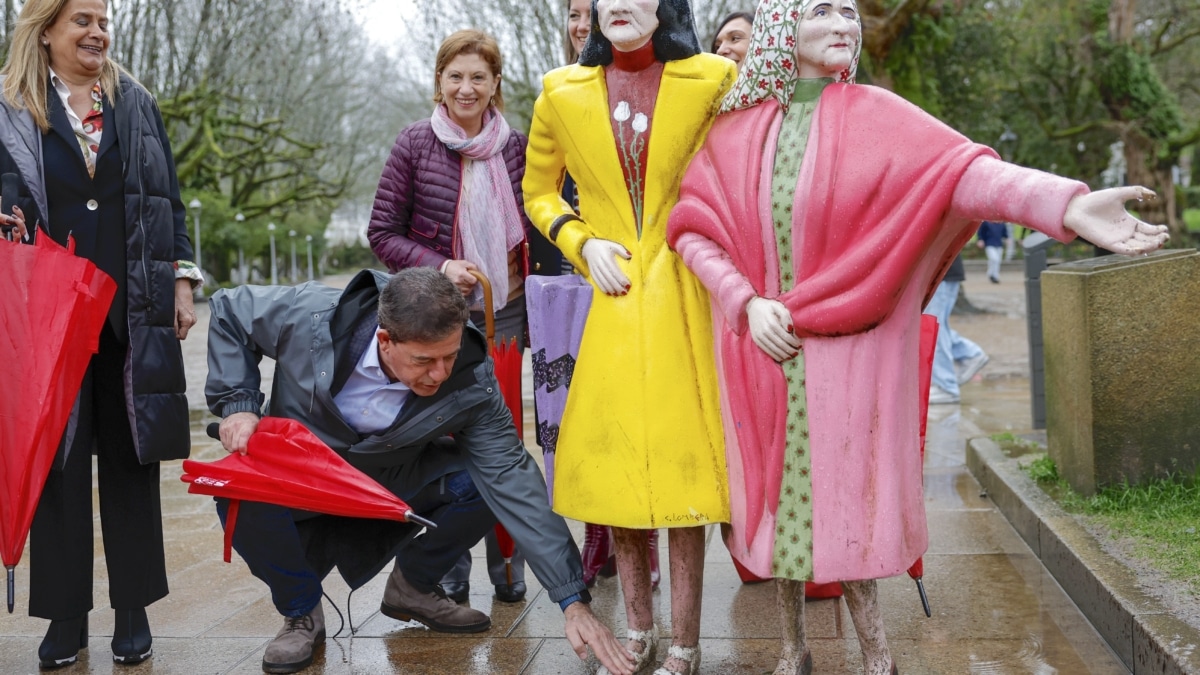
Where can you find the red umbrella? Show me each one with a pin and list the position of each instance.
(285, 464)
(507, 359)
(928, 345)
(53, 307)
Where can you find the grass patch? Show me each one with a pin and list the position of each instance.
(1191, 219)
(1013, 445)
(1043, 470)
(1161, 517)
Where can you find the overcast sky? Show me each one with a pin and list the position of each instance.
(385, 20)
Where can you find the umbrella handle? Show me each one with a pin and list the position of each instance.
(489, 313)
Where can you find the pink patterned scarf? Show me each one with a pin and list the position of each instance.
(489, 225)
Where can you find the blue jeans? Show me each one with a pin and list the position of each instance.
(266, 537)
(951, 347)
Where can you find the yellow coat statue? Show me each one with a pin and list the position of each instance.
(641, 443)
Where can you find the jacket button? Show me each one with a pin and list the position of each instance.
(537, 267)
(92, 205)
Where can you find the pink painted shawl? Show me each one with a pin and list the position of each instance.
(874, 230)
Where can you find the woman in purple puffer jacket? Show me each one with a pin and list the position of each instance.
(450, 197)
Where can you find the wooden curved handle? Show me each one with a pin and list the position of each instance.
(489, 314)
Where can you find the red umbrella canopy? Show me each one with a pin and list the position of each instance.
(285, 464)
(927, 347)
(53, 306)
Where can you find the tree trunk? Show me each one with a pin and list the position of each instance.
(1120, 20)
(1140, 162)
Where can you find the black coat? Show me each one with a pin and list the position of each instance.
(135, 197)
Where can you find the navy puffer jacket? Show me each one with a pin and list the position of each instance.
(413, 220)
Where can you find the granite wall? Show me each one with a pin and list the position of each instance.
(1122, 353)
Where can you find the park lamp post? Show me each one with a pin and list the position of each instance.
(195, 206)
(295, 271)
(1007, 144)
(241, 254)
(274, 277)
(308, 240)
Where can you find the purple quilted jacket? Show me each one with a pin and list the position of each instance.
(413, 220)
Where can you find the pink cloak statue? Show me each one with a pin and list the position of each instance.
(885, 198)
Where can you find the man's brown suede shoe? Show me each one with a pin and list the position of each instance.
(404, 603)
(292, 648)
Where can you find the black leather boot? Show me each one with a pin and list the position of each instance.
(62, 643)
(131, 637)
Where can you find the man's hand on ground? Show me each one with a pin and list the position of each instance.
(585, 630)
(236, 430)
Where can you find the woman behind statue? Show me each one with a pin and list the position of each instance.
(860, 202)
(95, 164)
(732, 38)
(450, 198)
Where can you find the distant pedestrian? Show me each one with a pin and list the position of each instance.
(956, 359)
(992, 236)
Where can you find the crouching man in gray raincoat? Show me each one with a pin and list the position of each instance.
(389, 374)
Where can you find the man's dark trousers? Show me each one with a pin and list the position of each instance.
(267, 538)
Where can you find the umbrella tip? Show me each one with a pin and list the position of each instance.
(924, 598)
(11, 588)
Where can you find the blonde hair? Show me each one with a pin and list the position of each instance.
(28, 68)
(469, 41)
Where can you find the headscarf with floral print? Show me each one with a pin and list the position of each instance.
(769, 69)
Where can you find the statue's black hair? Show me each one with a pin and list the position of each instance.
(674, 39)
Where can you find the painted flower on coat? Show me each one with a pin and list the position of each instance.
(631, 148)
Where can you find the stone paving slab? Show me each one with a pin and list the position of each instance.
(1139, 628)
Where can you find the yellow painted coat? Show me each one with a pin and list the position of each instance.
(641, 443)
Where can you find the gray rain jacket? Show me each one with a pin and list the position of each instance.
(306, 330)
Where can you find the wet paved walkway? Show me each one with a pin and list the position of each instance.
(995, 608)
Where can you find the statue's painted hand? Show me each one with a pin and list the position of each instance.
(601, 256)
(771, 328)
(1101, 218)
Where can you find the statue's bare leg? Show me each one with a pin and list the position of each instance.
(633, 566)
(687, 580)
(862, 599)
(794, 657)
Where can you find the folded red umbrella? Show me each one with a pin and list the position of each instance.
(52, 306)
(927, 349)
(506, 358)
(285, 464)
